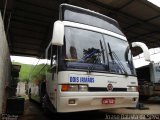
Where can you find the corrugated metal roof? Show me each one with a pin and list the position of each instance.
(28, 23)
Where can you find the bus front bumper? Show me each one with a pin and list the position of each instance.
(72, 102)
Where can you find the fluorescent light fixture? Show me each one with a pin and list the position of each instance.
(155, 2)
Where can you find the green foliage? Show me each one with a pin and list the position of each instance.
(24, 71)
(92, 56)
(38, 72)
(31, 72)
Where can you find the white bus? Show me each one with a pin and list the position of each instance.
(88, 65)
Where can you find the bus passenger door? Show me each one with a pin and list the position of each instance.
(51, 76)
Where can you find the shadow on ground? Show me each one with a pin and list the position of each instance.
(33, 111)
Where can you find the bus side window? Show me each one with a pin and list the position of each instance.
(51, 56)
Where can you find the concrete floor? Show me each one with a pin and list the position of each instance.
(152, 103)
(33, 111)
(153, 109)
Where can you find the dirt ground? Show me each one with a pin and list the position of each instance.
(33, 111)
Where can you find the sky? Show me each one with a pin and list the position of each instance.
(156, 2)
(138, 60)
(27, 60)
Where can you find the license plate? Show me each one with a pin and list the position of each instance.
(108, 101)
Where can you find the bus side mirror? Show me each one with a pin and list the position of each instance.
(58, 33)
(144, 48)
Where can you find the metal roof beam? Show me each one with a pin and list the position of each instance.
(126, 4)
(25, 36)
(26, 29)
(123, 13)
(28, 3)
(27, 19)
(25, 49)
(26, 42)
(35, 13)
(143, 35)
(29, 22)
(145, 22)
(19, 53)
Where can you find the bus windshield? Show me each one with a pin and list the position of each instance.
(89, 50)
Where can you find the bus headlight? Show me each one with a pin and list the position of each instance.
(132, 89)
(73, 87)
(66, 87)
(83, 87)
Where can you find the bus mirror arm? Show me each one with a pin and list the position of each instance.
(53, 67)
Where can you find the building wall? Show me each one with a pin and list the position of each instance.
(5, 66)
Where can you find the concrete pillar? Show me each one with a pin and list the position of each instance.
(5, 66)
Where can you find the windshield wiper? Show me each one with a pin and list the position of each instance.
(102, 50)
(90, 68)
(111, 53)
